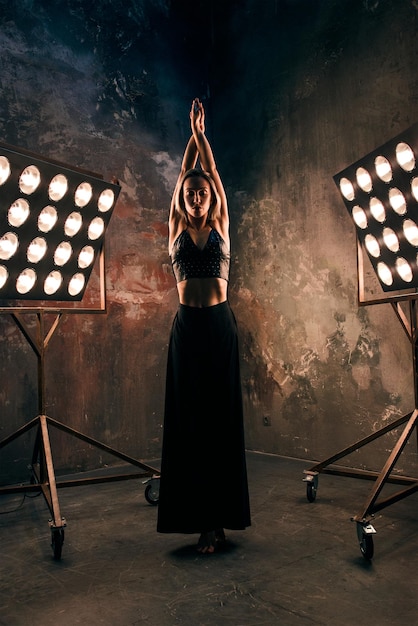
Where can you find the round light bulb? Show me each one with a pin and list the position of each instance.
(384, 274)
(47, 219)
(8, 246)
(29, 179)
(76, 284)
(383, 168)
(404, 269)
(377, 210)
(364, 180)
(52, 282)
(83, 194)
(391, 239)
(73, 224)
(414, 188)
(397, 201)
(18, 213)
(4, 275)
(86, 256)
(36, 250)
(4, 169)
(405, 156)
(410, 230)
(106, 200)
(372, 245)
(347, 189)
(96, 228)
(359, 216)
(58, 187)
(26, 280)
(62, 253)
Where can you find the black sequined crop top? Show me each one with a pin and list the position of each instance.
(189, 261)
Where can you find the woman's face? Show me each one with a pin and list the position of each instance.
(197, 196)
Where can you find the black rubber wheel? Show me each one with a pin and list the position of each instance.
(57, 539)
(366, 543)
(152, 494)
(310, 492)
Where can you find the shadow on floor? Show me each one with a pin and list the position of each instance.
(298, 564)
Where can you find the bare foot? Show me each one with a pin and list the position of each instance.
(208, 542)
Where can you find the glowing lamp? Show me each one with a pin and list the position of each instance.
(380, 192)
(53, 220)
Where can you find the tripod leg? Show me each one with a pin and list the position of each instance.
(49, 490)
(369, 507)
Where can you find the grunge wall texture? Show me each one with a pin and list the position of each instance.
(295, 90)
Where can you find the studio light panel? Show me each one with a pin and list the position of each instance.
(380, 192)
(53, 221)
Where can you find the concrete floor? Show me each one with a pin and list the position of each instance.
(298, 564)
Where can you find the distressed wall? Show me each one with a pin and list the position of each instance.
(295, 91)
(324, 371)
(325, 83)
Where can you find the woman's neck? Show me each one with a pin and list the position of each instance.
(198, 224)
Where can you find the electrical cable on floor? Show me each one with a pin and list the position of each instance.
(21, 504)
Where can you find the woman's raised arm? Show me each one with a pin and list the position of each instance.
(189, 161)
(206, 157)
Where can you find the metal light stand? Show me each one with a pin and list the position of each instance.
(372, 505)
(42, 467)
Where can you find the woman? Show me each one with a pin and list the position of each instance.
(203, 486)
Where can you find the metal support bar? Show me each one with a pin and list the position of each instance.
(43, 478)
(54, 506)
(100, 445)
(365, 530)
(370, 506)
(361, 443)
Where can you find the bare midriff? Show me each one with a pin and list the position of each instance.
(202, 292)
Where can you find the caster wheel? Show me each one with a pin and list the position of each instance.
(311, 481)
(57, 540)
(152, 494)
(311, 492)
(366, 543)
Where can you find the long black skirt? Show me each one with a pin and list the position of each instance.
(203, 482)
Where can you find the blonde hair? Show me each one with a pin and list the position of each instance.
(215, 203)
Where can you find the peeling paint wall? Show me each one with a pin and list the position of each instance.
(295, 90)
(312, 87)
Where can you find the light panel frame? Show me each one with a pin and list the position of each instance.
(86, 196)
(380, 192)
